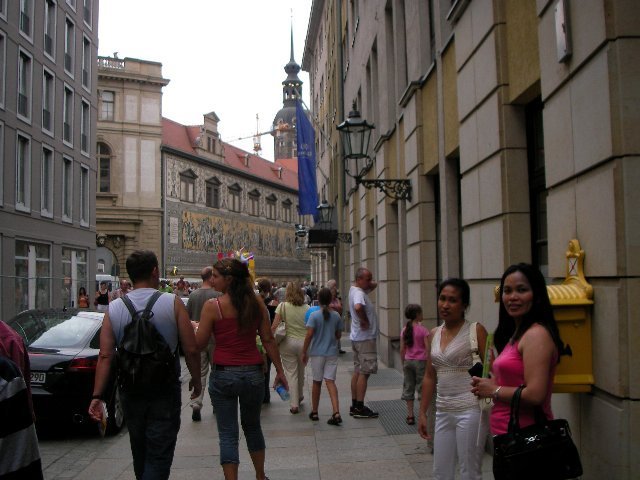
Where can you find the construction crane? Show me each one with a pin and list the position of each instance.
(257, 146)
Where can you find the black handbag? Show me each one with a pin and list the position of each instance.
(543, 450)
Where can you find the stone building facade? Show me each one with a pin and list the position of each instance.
(47, 152)
(129, 198)
(514, 121)
(221, 199)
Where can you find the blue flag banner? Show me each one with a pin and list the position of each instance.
(307, 189)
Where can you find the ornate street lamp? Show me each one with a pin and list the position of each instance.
(325, 214)
(356, 135)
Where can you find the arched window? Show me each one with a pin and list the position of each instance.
(104, 168)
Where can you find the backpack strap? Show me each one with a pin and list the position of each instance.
(132, 310)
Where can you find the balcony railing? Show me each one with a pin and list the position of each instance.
(112, 63)
(68, 62)
(84, 140)
(85, 77)
(66, 132)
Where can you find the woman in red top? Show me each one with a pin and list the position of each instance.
(236, 375)
(529, 345)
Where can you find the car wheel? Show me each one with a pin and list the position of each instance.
(115, 421)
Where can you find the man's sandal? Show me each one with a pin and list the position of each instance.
(314, 416)
(335, 419)
(411, 421)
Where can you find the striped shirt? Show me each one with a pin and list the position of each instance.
(19, 452)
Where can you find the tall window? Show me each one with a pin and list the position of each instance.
(67, 189)
(234, 197)
(50, 28)
(187, 186)
(271, 207)
(537, 188)
(67, 133)
(104, 168)
(26, 17)
(84, 196)
(286, 211)
(48, 100)
(86, 11)
(107, 103)
(69, 46)
(33, 276)
(24, 85)
(3, 59)
(23, 173)
(74, 273)
(213, 193)
(86, 62)
(46, 194)
(84, 127)
(254, 203)
(1, 161)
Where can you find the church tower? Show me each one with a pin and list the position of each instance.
(284, 123)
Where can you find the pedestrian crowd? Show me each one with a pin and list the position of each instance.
(232, 331)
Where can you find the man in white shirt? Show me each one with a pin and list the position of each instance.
(364, 337)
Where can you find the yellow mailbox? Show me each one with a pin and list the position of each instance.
(571, 302)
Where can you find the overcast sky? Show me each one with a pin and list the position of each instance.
(221, 56)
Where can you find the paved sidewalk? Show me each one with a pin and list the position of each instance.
(297, 448)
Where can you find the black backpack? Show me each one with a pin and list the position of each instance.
(144, 359)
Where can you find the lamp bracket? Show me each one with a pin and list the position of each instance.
(397, 189)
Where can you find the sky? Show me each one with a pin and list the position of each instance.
(221, 56)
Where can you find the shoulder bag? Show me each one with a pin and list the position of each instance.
(543, 450)
(281, 330)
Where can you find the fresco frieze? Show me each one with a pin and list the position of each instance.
(210, 234)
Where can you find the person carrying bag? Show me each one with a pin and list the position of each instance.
(542, 450)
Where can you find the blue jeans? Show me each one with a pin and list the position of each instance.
(226, 388)
(153, 422)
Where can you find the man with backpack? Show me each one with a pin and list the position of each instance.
(146, 326)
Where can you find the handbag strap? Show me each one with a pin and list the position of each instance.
(473, 340)
(514, 417)
(284, 312)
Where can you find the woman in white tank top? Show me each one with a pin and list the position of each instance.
(456, 435)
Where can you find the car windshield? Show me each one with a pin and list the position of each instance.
(55, 329)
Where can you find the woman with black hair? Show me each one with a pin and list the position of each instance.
(236, 374)
(414, 350)
(529, 347)
(458, 425)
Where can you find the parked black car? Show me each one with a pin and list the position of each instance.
(63, 351)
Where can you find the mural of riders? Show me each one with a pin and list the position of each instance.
(205, 233)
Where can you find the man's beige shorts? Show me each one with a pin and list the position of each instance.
(365, 356)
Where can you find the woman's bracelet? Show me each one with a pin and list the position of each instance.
(495, 394)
